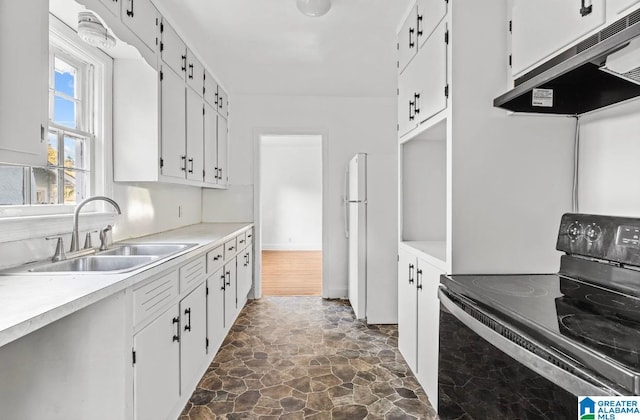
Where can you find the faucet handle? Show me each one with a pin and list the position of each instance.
(59, 255)
(104, 238)
(87, 239)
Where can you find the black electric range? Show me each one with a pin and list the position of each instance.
(580, 326)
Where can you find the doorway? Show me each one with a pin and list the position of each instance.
(291, 214)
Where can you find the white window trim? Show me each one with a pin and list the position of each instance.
(101, 164)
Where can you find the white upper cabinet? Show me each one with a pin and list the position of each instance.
(407, 39)
(113, 6)
(210, 89)
(223, 139)
(543, 28)
(429, 15)
(195, 135)
(172, 49)
(195, 73)
(222, 102)
(143, 19)
(24, 49)
(618, 8)
(422, 87)
(173, 125)
(211, 171)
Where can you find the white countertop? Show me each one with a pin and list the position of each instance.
(29, 302)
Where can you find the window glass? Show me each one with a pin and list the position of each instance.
(12, 185)
(64, 79)
(44, 186)
(74, 186)
(74, 152)
(64, 112)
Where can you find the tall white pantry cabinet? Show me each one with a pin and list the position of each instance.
(481, 191)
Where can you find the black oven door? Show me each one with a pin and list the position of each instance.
(490, 370)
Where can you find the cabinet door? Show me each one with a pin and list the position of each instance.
(428, 279)
(174, 159)
(143, 19)
(113, 6)
(407, 308)
(195, 135)
(210, 89)
(210, 145)
(223, 143)
(195, 73)
(430, 13)
(543, 27)
(431, 76)
(215, 310)
(24, 49)
(193, 343)
(244, 275)
(618, 8)
(230, 293)
(407, 40)
(172, 49)
(155, 372)
(406, 101)
(223, 102)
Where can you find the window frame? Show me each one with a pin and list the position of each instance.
(98, 118)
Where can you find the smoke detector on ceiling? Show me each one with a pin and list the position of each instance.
(91, 31)
(314, 8)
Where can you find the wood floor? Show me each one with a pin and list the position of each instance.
(291, 273)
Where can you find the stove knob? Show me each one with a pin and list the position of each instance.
(574, 230)
(593, 232)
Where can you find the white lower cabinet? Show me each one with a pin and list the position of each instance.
(155, 370)
(215, 310)
(230, 296)
(244, 275)
(418, 318)
(193, 339)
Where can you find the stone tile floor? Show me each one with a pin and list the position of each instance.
(307, 358)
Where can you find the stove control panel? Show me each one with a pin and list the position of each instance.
(609, 238)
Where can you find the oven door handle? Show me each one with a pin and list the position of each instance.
(578, 382)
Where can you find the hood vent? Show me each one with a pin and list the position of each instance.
(602, 70)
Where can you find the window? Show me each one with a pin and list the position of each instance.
(79, 78)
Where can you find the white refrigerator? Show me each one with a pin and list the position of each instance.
(371, 226)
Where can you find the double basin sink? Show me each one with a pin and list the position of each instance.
(119, 259)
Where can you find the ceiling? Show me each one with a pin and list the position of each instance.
(267, 47)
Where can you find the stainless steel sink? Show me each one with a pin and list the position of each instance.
(95, 263)
(147, 249)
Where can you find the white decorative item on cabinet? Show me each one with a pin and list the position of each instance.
(143, 19)
(24, 42)
(538, 33)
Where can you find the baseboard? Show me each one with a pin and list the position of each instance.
(291, 247)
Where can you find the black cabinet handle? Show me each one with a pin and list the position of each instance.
(184, 163)
(419, 285)
(220, 103)
(419, 24)
(416, 109)
(411, 267)
(184, 63)
(228, 275)
(411, 43)
(176, 320)
(130, 12)
(585, 10)
(190, 71)
(216, 101)
(231, 248)
(216, 258)
(411, 107)
(191, 165)
(187, 312)
(223, 277)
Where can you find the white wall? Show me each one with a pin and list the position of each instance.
(349, 125)
(291, 192)
(609, 176)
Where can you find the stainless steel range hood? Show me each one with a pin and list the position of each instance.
(600, 71)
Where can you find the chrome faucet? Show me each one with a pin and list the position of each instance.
(74, 235)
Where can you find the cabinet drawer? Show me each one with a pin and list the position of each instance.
(230, 249)
(154, 296)
(215, 259)
(192, 274)
(242, 240)
(250, 236)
